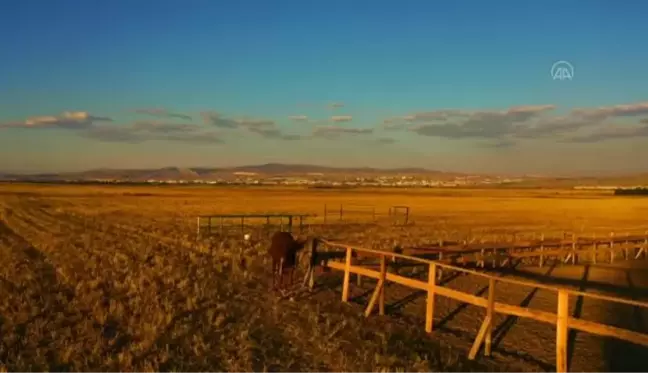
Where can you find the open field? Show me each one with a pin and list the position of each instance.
(112, 278)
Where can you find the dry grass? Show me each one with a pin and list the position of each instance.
(112, 278)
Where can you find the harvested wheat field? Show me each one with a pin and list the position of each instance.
(114, 278)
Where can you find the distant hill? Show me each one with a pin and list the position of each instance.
(209, 173)
(312, 171)
(303, 169)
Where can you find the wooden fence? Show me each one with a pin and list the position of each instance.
(571, 248)
(355, 213)
(560, 319)
(399, 215)
(350, 213)
(217, 223)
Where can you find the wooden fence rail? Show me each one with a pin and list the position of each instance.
(286, 221)
(560, 319)
(573, 250)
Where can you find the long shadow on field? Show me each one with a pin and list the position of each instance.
(332, 281)
(503, 329)
(44, 271)
(398, 306)
(45, 279)
(578, 310)
(636, 311)
(561, 281)
(462, 306)
(622, 356)
(55, 298)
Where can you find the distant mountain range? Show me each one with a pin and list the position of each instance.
(269, 170)
(209, 173)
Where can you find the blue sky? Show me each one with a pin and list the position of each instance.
(462, 86)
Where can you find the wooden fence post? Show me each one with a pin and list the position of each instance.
(625, 250)
(541, 250)
(574, 245)
(483, 258)
(429, 310)
(611, 247)
(198, 227)
(325, 213)
(595, 248)
(490, 313)
(379, 292)
(347, 275)
(561, 331)
(383, 276)
(310, 272)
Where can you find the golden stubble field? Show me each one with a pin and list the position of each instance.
(113, 278)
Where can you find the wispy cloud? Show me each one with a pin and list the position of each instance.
(273, 133)
(113, 134)
(160, 112)
(215, 119)
(456, 124)
(86, 125)
(66, 120)
(255, 123)
(89, 126)
(263, 127)
(335, 105)
(605, 112)
(341, 118)
(163, 127)
(502, 128)
(443, 114)
(142, 131)
(298, 118)
(395, 124)
(612, 133)
(196, 138)
(336, 131)
(551, 126)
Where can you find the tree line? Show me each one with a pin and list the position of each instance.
(631, 192)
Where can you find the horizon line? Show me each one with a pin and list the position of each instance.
(591, 174)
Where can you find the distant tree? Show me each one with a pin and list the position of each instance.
(631, 192)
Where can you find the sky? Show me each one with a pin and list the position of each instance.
(465, 86)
